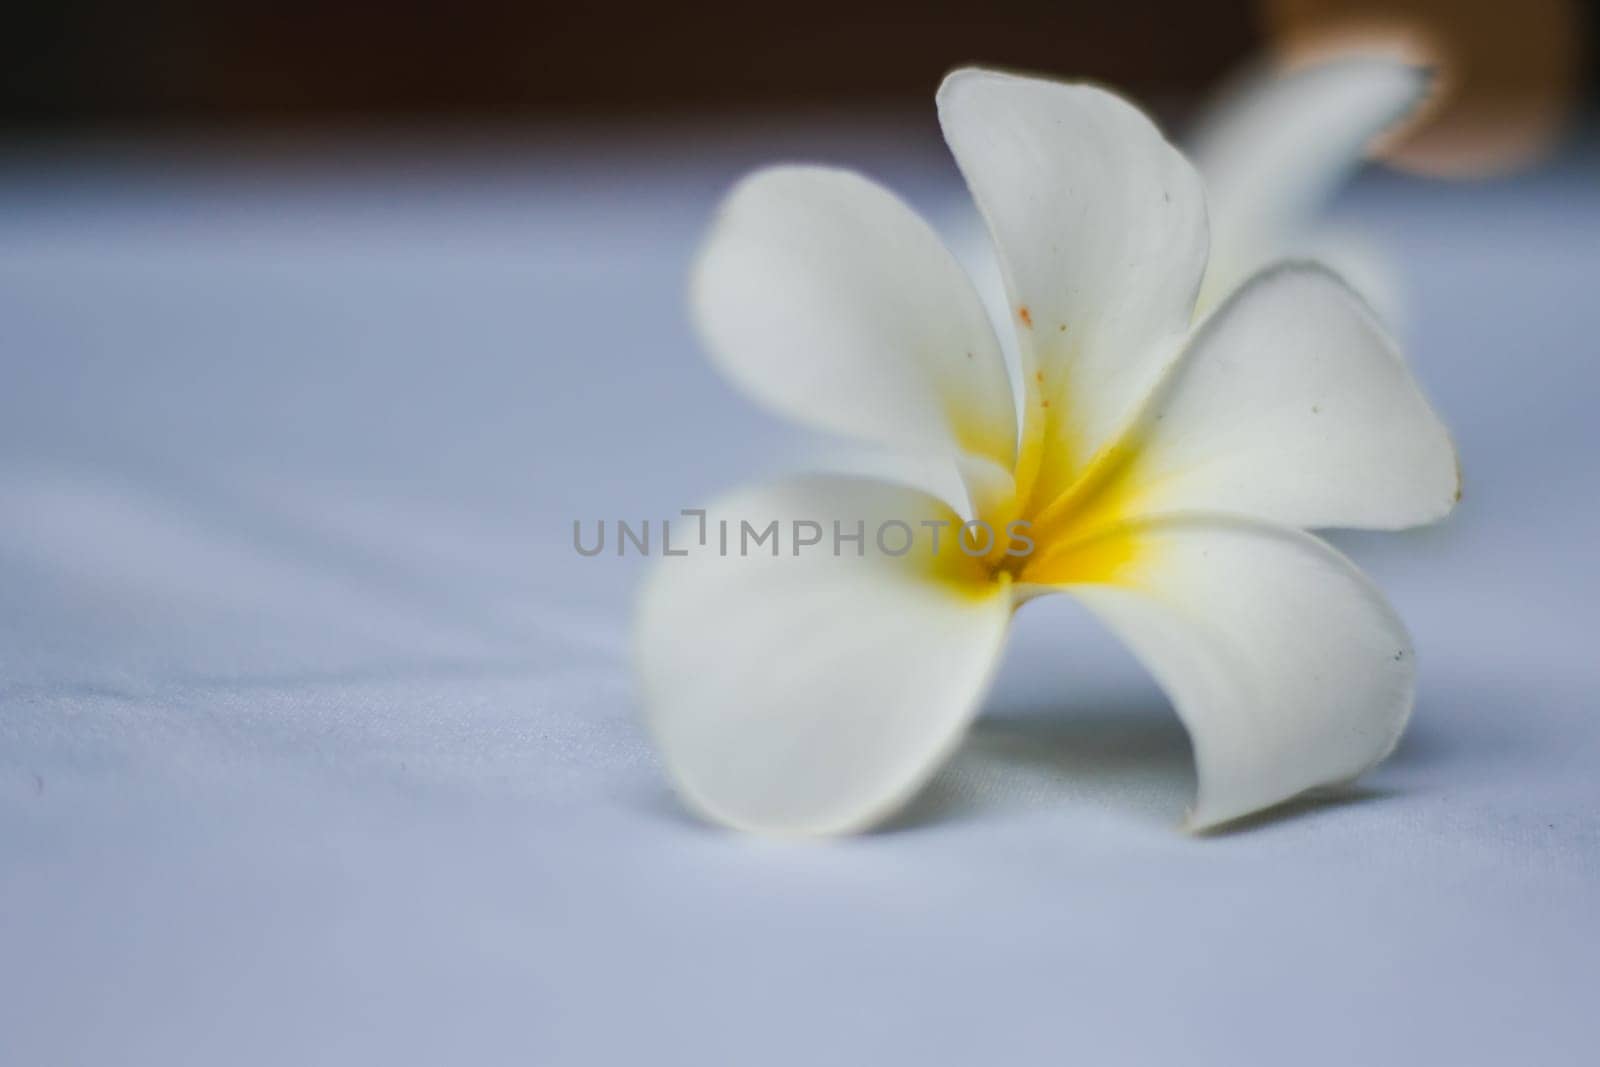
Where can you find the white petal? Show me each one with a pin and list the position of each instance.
(922, 471)
(1291, 404)
(814, 694)
(1101, 231)
(1286, 665)
(1275, 149)
(1360, 259)
(967, 237)
(830, 300)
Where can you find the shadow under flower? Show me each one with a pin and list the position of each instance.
(1306, 804)
(1134, 759)
(1128, 757)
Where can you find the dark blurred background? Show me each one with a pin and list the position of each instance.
(72, 64)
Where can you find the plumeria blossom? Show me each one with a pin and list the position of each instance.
(1166, 467)
(1276, 146)
(1273, 149)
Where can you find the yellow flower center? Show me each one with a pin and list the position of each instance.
(1083, 533)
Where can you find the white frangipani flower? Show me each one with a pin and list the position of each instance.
(1272, 150)
(1275, 148)
(1166, 472)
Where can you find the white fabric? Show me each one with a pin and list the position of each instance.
(318, 743)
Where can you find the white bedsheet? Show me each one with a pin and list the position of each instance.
(317, 741)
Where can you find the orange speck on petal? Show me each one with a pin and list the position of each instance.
(1044, 403)
(1038, 376)
(1026, 315)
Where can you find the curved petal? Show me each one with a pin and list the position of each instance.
(967, 236)
(830, 300)
(1101, 231)
(1277, 146)
(815, 693)
(1286, 665)
(1358, 257)
(1290, 405)
(927, 473)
